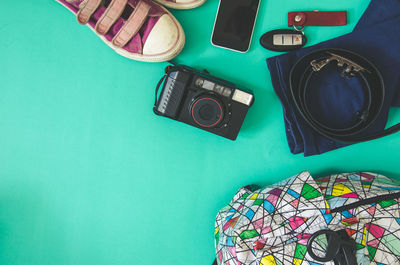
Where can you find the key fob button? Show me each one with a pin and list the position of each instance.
(282, 40)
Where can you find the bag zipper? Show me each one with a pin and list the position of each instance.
(376, 199)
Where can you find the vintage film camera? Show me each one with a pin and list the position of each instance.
(202, 100)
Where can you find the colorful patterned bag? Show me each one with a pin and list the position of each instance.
(273, 225)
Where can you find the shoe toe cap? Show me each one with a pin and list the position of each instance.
(164, 37)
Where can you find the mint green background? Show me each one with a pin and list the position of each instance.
(89, 175)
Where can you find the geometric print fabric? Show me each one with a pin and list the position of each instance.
(272, 225)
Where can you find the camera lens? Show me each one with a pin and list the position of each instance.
(207, 111)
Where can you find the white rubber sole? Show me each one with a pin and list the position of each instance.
(194, 4)
(168, 55)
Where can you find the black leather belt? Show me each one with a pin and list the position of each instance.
(352, 65)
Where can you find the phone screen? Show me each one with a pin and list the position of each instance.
(234, 24)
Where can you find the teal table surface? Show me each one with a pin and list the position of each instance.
(88, 173)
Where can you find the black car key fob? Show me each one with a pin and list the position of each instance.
(282, 40)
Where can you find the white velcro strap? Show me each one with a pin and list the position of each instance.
(110, 16)
(87, 8)
(132, 25)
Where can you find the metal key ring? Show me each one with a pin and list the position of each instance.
(299, 29)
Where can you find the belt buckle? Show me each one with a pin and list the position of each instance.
(350, 68)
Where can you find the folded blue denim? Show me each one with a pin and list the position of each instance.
(375, 37)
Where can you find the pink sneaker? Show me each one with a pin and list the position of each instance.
(141, 30)
(181, 4)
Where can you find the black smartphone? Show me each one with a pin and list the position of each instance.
(234, 24)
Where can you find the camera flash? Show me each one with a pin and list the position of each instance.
(242, 97)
